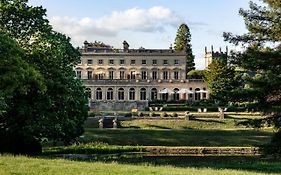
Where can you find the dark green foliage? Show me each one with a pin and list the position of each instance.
(40, 96)
(222, 81)
(196, 74)
(183, 44)
(93, 148)
(262, 57)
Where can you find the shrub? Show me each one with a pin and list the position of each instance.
(164, 114)
(174, 114)
(140, 114)
(128, 114)
(152, 114)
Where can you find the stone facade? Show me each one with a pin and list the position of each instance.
(122, 79)
(211, 55)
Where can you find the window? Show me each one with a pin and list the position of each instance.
(143, 75)
(154, 75)
(176, 75)
(109, 94)
(89, 62)
(79, 74)
(111, 73)
(176, 95)
(176, 62)
(121, 94)
(142, 94)
(165, 96)
(100, 76)
(132, 94)
(133, 75)
(197, 94)
(154, 94)
(79, 62)
(111, 62)
(99, 94)
(100, 62)
(122, 75)
(190, 96)
(204, 94)
(165, 75)
(90, 75)
(143, 62)
(133, 62)
(154, 62)
(122, 62)
(88, 91)
(165, 62)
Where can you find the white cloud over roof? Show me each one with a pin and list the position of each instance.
(153, 19)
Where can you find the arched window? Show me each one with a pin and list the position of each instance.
(197, 94)
(109, 94)
(153, 94)
(142, 94)
(204, 94)
(89, 92)
(121, 94)
(98, 94)
(190, 96)
(176, 95)
(132, 93)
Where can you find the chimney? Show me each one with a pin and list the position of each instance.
(206, 50)
(212, 48)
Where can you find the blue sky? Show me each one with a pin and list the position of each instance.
(146, 23)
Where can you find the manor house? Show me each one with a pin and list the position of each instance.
(122, 79)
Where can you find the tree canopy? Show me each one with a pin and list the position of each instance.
(222, 81)
(40, 96)
(183, 44)
(262, 57)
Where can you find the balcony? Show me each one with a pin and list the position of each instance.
(137, 81)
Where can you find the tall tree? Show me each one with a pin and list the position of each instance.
(59, 112)
(262, 56)
(183, 44)
(222, 81)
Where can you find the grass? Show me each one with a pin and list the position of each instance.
(173, 166)
(196, 132)
(91, 148)
(135, 134)
(177, 137)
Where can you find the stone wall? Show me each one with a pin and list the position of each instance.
(119, 106)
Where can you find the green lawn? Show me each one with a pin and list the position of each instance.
(196, 132)
(177, 137)
(174, 166)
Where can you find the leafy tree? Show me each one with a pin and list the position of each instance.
(262, 56)
(59, 110)
(196, 74)
(20, 82)
(222, 80)
(182, 44)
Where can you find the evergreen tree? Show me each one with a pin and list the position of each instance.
(222, 81)
(183, 44)
(262, 56)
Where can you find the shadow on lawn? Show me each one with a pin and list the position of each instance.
(255, 164)
(183, 137)
(208, 121)
(245, 163)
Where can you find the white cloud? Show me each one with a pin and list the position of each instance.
(154, 19)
